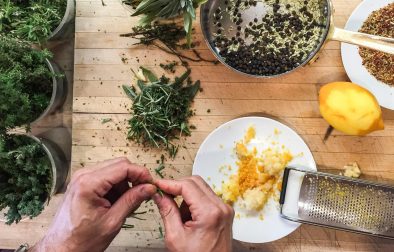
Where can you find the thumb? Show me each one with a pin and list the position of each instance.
(169, 213)
(131, 200)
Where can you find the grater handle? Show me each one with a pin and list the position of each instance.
(284, 186)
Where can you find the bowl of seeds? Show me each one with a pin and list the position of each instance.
(265, 38)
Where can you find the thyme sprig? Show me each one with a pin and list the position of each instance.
(160, 109)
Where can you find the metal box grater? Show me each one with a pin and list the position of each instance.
(338, 202)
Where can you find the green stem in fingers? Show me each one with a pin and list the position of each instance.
(159, 191)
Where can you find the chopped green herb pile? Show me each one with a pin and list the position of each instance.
(167, 9)
(160, 110)
(25, 83)
(25, 177)
(32, 20)
(170, 66)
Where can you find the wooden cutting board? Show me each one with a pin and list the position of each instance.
(102, 63)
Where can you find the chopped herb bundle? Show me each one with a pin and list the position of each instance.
(160, 110)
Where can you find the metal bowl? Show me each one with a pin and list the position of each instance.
(65, 25)
(59, 167)
(207, 26)
(59, 91)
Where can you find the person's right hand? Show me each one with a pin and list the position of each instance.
(209, 226)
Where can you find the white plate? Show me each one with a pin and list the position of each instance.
(352, 60)
(217, 150)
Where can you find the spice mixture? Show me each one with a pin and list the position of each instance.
(275, 40)
(379, 64)
(259, 175)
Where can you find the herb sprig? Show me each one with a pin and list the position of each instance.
(170, 36)
(160, 110)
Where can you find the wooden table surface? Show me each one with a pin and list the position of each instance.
(99, 72)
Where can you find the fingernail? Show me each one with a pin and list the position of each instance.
(148, 190)
(156, 197)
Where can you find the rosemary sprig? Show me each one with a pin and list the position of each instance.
(159, 191)
(160, 110)
(126, 226)
(159, 169)
(161, 232)
(134, 215)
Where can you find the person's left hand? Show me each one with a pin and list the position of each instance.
(96, 204)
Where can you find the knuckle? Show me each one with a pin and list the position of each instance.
(171, 239)
(80, 185)
(196, 178)
(123, 160)
(170, 243)
(77, 174)
(228, 212)
(216, 213)
(166, 211)
(188, 182)
(112, 225)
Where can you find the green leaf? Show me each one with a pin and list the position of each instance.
(193, 89)
(182, 78)
(147, 73)
(129, 92)
(188, 22)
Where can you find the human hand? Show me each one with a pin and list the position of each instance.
(95, 206)
(209, 224)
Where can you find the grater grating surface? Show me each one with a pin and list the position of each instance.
(343, 203)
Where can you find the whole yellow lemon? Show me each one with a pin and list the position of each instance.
(350, 108)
